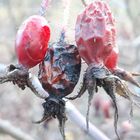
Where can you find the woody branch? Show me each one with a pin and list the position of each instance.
(34, 84)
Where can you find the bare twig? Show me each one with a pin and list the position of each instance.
(66, 14)
(79, 120)
(22, 78)
(7, 128)
(44, 7)
(72, 112)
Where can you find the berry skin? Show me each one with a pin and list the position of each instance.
(95, 32)
(60, 71)
(32, 41)
(59, 74)
(112, 59)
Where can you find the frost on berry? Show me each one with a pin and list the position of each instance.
(95, 32)
(32, 41)
(60, 70)
(95, 35)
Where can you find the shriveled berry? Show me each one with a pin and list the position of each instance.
(60, 71)
(95, 32)
(32, 41)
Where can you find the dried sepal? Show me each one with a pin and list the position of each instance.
(99, 76)
(109, 87)
(126, 76)
(55, 108)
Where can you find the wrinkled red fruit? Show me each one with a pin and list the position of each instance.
(112, 59)
(95, 32)
(32, 41)
(60, 71)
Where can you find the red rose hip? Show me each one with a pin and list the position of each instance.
(32, 41)
(95, 32)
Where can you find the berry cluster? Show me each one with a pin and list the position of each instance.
(60, 62)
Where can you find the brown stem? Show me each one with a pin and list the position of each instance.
(71, 111)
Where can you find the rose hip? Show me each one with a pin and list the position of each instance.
(59, 74)
(32, 41)
(95, 32)
(95, 36)
(60, 70)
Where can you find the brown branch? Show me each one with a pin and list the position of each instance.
(20, 76)
(72, 112)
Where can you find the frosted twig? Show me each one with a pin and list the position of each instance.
(43, 7)
(71, 110)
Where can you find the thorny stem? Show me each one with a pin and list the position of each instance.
(43, 7)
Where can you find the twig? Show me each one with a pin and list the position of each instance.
(22, 78)
(7, 128)
(84, 3)
(72, 112)
(80, 120)
(43, 7)
(66, 14)
(36, 87)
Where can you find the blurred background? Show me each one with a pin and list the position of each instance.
(21, 108)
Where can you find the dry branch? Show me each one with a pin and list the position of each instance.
(34, 84)
(80, 120)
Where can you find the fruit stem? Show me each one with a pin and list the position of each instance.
(66, 13)
(43, 7)
(62, 35)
